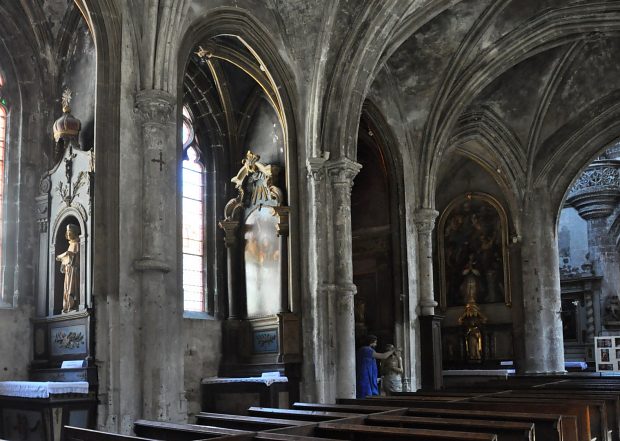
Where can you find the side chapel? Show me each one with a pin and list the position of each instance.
(210, 204)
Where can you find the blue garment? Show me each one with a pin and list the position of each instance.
(367, 373)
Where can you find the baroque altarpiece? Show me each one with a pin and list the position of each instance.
(261, 333)
(63, 325)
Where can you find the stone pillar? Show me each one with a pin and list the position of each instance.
(282, 230)
(230, 228)
(424, 219)
(163, 396)
(542, 323)
(341, 172)
(319, 370)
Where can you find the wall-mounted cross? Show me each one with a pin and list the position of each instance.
(160, 161)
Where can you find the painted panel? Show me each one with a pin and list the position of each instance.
(262, 263)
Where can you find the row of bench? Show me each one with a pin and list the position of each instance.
(521, 409)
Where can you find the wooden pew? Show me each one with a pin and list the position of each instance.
(296, 414)
(181, 432)
(547, 426)
(505, 430)
(79, 434)
(358, 432)
(352, 408)
(244, 422)
(569, 424)
(591, 415)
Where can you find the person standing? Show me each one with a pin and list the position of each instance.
(366, 367)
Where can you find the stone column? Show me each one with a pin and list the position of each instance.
(230, 228)
(163, 396)
(542, 323)
(319, 370)
(282, 230)
(341, 172)
(424, 219)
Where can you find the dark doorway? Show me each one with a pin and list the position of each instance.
(376, 254)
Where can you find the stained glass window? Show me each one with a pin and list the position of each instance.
(193, 196)
(3, 116)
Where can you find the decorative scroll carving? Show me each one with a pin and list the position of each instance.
(597, 177)
(257, 179)
(596, 191)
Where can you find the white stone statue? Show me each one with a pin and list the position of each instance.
(70, 267)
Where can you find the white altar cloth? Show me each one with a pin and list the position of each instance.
(42, 389)
(268, 381)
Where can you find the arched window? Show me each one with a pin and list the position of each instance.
(193, 197)
(3, 130)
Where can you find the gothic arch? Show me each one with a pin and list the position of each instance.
(248, 45)
(483, 137)
(554, 28)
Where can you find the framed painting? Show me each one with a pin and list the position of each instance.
(473, 238)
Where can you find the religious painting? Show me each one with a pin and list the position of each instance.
(605, 355)
(603, 343)
(473, 239)
(263, 269)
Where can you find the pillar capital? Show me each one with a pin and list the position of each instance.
(424, 219)
(230, 228)
(315, 167)
(155, 106)
(343, 170)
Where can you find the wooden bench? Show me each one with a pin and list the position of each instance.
(357, 432)
(296, 414)
(79, 434)
(181, 432)
(505, 430)
(351, 408)
(244, 422)
(568, 427)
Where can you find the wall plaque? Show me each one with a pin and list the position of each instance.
(265, 342)
(68, 340)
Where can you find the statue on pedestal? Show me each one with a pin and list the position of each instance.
(70, 267)
(472, 318)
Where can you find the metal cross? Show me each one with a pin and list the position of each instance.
(160, 161)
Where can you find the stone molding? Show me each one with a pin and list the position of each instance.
(147, 263)
(155, 106)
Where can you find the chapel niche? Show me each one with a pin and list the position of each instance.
(63, 328)
(261, 333)
(473, 268)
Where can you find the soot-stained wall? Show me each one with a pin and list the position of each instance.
(79, 74)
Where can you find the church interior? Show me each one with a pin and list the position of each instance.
(203, 203)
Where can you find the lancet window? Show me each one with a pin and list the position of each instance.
(3, 129)
(193, 205)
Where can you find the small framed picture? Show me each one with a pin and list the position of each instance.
(604, 354)
(617, 341)
(618, 353)
(605, 367)
(603, 343)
